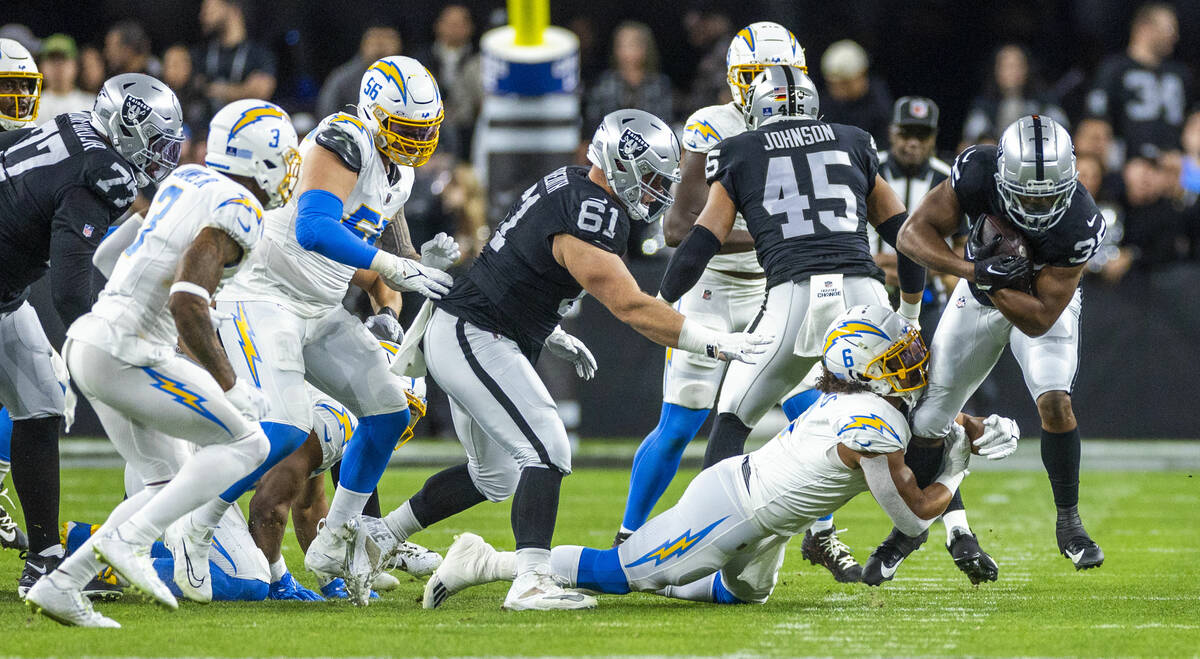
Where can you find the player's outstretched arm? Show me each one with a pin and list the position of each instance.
(690, 194)
(196, 279)
(604, 275)
(1035, 314)
(703, 241)
(923, 235)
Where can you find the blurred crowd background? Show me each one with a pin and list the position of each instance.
(1118, 74)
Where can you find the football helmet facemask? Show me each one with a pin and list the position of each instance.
(401, 107)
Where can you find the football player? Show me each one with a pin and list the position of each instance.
(1031, 302)
(11, 534)
(289, 322)
(564, 236)
(203, 224)
(724, 541)
(64, 182)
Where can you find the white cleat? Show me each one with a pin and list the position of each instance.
(133, 563)
(385, 582)
(468, 563)
(534, 591)
(65, 606)
(329, 552)
(414, 559)
(190, 552)
(355, 552)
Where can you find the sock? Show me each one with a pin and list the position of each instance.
(371, 508)
(925, 463)
(402, 522)
(278, 569)
(1060, 455)
(79, 568)
(369, 451)
(599, 570)
(284, 440)
(35, 478)
(444, 494)
(533, 559)
(5, 442)
(657, 461)
(206, 474)
(799, 404)
(955, 519)
(706, 589)
(727, 439)
(956, 502)
(346, 504)
(535, 509)
(821, 525)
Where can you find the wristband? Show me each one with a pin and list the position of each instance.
(191, 289)
(951, 482)
(909, 309)
(694, 337)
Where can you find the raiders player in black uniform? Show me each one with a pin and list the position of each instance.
(61, 185)
(807, 190)
(1031, 304)
(565, 235)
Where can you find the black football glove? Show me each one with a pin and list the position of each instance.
(1003, 271)
(385, 325)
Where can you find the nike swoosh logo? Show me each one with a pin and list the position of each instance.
(196, 583)
(1076, 556)
(994, 271)
(8, 535)
(1092, 222)
(40, 569)
(888, 572)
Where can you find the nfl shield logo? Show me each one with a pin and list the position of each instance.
(134, 111)
(707, 294)
(960, 302)
(88, 230)
(919, 109)
(631, 145)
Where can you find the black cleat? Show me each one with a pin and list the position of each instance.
(104, 587)
(36, 567)
(1074, 542)
(11, 535)
(888, 556)
(826, 550)
(971, 558)
(622, 536)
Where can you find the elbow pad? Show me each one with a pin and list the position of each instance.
(911, 273)
(687, 264)
(319, 229)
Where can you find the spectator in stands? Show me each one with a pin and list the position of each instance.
(179, 76)
(91, 69)
(1140, 92)
(127, 50)
(632, 81)
(454, 62)
(591, 55)
(59, 64)
(1012, 91)
(1093, 137)
(708, 33)
(852, 96)
(1155, 227)
(232, 66)
(342, 86)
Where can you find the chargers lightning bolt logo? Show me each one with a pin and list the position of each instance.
(343, 419)
(747, 35)
(254, 115)
(246, 340)
(872, 422)
(183, 396)
(852, 328)
(391, 72)
(704, 130)
(245, 203)
(677, 547)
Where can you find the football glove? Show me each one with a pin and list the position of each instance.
(407, 275)
(385, 325)
(725, 346)
(999, 438)
(568, 348)
(248, 399)
(441, 252)
(957, 454)
(1003, 271)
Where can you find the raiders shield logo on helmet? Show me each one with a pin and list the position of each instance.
(631, 145)
(134, 111)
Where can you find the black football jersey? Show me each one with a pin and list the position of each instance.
(1072, 241)
(802, 187)
(61, 176)
(1145, 106)
(515, 287)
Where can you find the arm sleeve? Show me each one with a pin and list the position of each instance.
(912, 274)
(78, 226)
(319, 229)
(883, 488)
(688, 262)
(117, 240)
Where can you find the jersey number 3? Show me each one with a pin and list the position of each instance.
(781, 195)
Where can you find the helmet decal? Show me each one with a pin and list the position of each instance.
(853, 328)
(255, 114)
(389, 71)
(747, 34)
(134, 111)
(631, 145)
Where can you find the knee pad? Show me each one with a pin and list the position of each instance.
(495, 483)
(695, 395)
(255, 446)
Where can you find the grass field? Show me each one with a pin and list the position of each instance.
(1144, 601)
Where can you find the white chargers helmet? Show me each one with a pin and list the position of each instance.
(875, 346)
(780, 91)
(401, 107)
(639, 155)
(755, 47)
(20, 86)
(414, 391)
(255, 139)
(1035, 172)
(142, 119)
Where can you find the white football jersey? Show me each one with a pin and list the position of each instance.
(131, 320)
(303, 281)
(797, 477)
(701, 132)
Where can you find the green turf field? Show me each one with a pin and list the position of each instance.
(1145, 600)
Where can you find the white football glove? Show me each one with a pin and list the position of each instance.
(441, 252)
(999, 438)
(384, 325)
(215, 318)
(408, 275)
(64, 379)
(248, 399)
(957, 453)
(911, 313)
(568, 348)
(726, 346)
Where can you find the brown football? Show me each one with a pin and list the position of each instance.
(1012, 241)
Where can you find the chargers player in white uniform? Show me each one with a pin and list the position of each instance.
(724, 541)
(290, 325)
(202, 226)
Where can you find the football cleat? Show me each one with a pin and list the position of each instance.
(65, 606)
(534, 591)
(190, 552)
(888, 556)
(11, 535)
(824, 549)
(133, 563)
(385, 581)
(336, 590)
(413, 559)
(287, 588)
(104, 587)
(1075, 543)
(36, 567)
(971, 558)
(468, 563)
(329, 552)
(621, 537)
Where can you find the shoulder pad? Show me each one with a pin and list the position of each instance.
(240, 216)
(112, 179)
(346, 137)
(709, 125)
